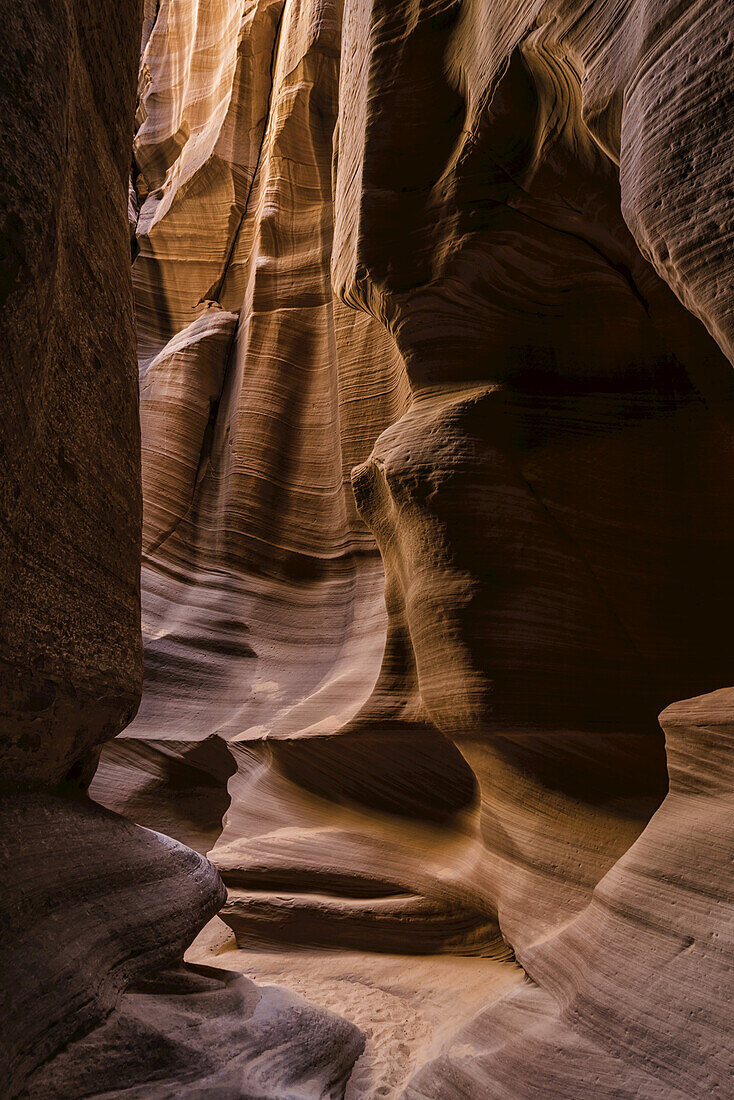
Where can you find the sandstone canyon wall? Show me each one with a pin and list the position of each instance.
(433, 310)
(96, 912)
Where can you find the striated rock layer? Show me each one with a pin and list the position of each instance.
(262, 590)
(634, 997)
(433, 312)
(476, 254)
(95, 911)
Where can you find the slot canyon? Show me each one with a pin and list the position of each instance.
(367, 549)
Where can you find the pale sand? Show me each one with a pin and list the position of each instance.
(406, 1006)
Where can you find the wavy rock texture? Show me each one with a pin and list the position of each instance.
(263, 607)
(635, 995)
(542, 508)
(95, 911)
(474, 257)
(262, 590)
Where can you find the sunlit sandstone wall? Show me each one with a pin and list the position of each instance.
(95, 912)
(528, 221)
(263, 607)
(253, 379)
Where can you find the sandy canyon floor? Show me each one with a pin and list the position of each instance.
(406, 1007)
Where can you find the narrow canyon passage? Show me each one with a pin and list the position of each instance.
(365, 656)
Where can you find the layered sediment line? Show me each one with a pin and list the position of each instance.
(433, 309)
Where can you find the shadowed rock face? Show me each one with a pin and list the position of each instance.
(504, 272)
(95, 911)
(433, 307)
(70, 654)
(106, 903)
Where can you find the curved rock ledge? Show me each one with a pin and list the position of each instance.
(633, 995)
(434, 314)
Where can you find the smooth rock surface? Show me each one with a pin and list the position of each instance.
(634, 997)
(95, 912)
(433, 304)
(495, 296)
(94, 903)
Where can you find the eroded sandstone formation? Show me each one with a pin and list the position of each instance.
(95, 911)
(433, 304)
(70, 653)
